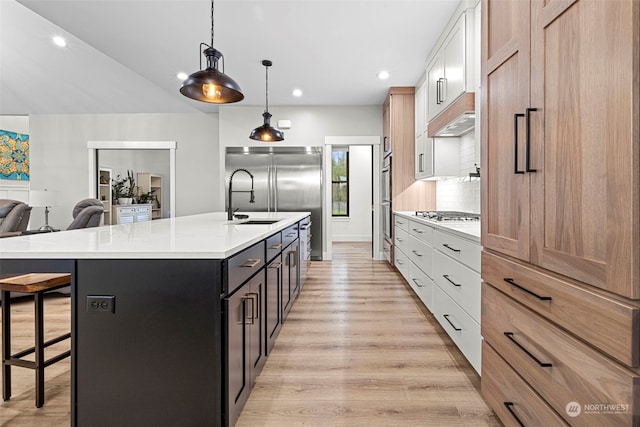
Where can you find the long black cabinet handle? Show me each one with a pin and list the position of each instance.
(417, 253)
(509, 335)
(509, 406)
(417, 283)
(515, 143)
(446, 316)
(513, 283)
(450, 248)
(527, 160)
(446, 276)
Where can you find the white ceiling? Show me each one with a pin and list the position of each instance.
(123, 55)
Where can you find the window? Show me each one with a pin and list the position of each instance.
(340, 181)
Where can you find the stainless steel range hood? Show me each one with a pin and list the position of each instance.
(459, 118)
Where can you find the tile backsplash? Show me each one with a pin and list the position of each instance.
(463, 193)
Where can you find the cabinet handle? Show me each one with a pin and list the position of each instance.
(418, 230)
(527, 159)
(513, 283)
(515, 143)
(249, 320)
(509, 406)
(450, 248)
(399, 261)
(276, 264)
(438, 90)
(446, 316)
(257, 297)
(292, 234)
(446, 276)
(421, 162)
(509, 335)
(417, 284)
(251, 262)
(276, 246)
(399, 239)
(443, 90)
(417, 253)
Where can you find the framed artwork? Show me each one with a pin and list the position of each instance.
(14, 156)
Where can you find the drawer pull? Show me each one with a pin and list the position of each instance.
(417, 284)
(513, 340)
(399, 261)
(417, 230)
(276, 246)
(446, 316)
(251, 262)
(509, 406)
(276, 264)
(450, 248)
(513, 283)
(399, 239)
(446, 276)
(417, 253)
(292, 235)
(399, 222)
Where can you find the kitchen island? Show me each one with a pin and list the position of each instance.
(157, 308)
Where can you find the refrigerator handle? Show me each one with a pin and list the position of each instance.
(275, 189)
(268, 188)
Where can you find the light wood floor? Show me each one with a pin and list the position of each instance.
(356, 350)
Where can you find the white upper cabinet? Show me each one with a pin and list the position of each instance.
(421, 107)
(450, 69)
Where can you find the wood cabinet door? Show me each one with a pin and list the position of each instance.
(505, 82)
(585, 141)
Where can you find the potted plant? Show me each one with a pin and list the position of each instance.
(123, 188)
(146, 197)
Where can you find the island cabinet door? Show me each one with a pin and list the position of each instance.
(273, 321)
(290, 277)
(245, 348)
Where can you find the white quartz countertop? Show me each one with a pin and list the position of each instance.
(466, 229)
(204, 236)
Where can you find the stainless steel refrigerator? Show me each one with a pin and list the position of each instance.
(286, 179)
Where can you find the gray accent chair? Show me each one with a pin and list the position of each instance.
(14, 215)
(86, 213)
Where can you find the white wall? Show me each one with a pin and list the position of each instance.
(357, 227)
(10, 189)
(462, 193)
(59, 155)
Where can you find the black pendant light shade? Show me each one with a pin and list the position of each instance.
(266, 133)
(211, 84)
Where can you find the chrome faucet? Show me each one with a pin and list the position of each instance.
(252, 198)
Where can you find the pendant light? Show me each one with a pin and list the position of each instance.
(266, 133)
(211, 85)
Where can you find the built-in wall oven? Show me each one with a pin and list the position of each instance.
(387, 220)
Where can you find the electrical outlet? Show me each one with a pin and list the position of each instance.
(101, 304)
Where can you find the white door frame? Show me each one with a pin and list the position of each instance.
(329, 141)
(93, 146)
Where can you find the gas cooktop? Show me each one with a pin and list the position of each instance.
(448, 216)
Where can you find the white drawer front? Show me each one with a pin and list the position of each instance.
(421, 231)
(401, 239)
(421, 254)
(460, 282)
(144, 209)
(126, 211)
(460, 249)
(463, 330)
(402, 262)
(401, 222)
(422, 285)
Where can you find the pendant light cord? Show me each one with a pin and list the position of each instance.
(211, 23)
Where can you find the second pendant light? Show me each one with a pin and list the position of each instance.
(266, 133)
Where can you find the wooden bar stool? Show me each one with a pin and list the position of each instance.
(36, 284)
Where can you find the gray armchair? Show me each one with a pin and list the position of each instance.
(14, 215)
(86, 214)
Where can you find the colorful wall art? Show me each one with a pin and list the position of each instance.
(14, 156)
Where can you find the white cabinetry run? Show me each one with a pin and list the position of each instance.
(127, 214)
(441, 263)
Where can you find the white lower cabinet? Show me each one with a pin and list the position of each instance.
(443, 269)
(127, 214)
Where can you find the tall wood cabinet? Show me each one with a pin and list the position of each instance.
(561, 201)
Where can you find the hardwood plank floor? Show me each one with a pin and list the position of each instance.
(357, 350)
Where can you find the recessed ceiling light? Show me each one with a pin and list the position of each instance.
(383, 75)
(59, 41)
(182, 76)
(297, 92)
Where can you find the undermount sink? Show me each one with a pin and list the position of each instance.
(259, 222)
